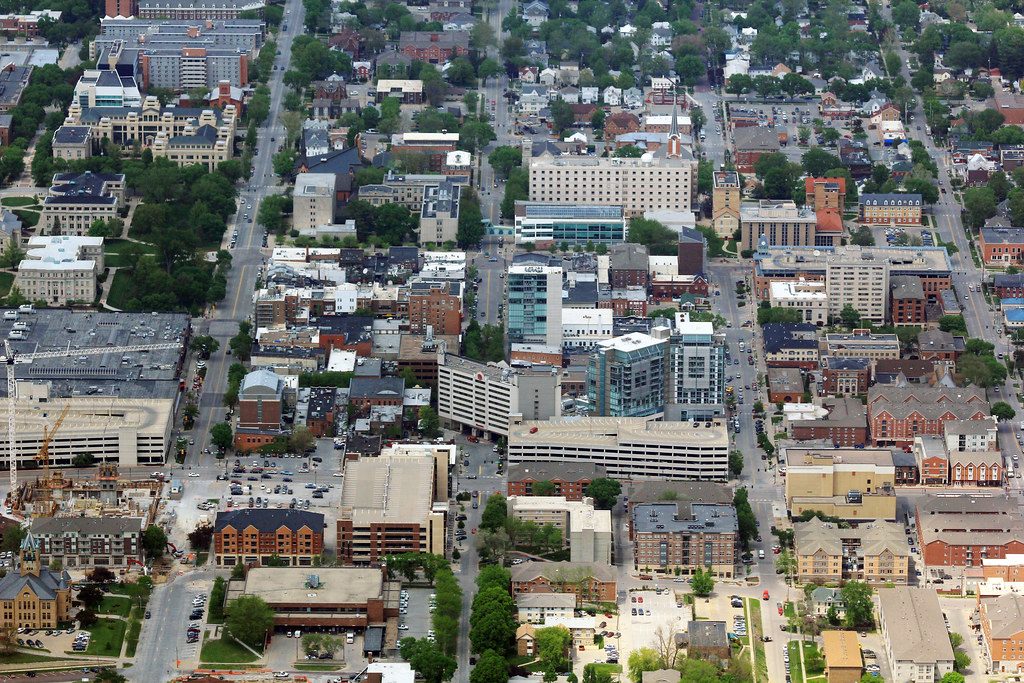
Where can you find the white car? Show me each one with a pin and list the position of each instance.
(193, 474)
(282, 674)
(337, 474)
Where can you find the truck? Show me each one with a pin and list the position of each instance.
(783, 138)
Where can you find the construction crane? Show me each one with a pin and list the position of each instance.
(43, 455)
(10, 358)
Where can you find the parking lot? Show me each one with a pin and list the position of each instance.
(903, 236)
(652, 612)
(415, 614)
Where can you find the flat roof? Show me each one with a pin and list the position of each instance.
(613, 432)
(388, 488)
(674, 517)
(635, 341)
(336, 585)
(784, 261)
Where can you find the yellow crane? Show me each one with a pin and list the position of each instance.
(44, 451)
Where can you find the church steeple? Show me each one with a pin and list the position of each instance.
(29, 555)
(675, 140)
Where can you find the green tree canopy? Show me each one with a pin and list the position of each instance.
(249, 619)
(605, 492)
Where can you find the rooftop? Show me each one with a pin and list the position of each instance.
(841, 650)
(613, 432)
(561, 471)
(331, 586)
(674, 517)
(563, 571)
(388, 489)
(913, 618)
(628, 343)
(781, 261)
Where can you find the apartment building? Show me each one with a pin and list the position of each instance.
(890, 209)
(696, 370)
(1002, 623)
(790, 345)
(961, 531)
(186, 68)
(772, 222)
(858, 280)
(86, 542)
(725, 203)
(535, 305)
(972, 436)
(588, 581)
(196, 10)
(849, 483)
(914, 635)
(628, 376)
(119, 32)
(898, 414)
(439, 213)
(649, 183)
(76, 201)
(586, 531)
(825, 194)
(810, 299)
(568, 480)
(390, 505)
(627, 447)
(60, 269)
(254, 537)
(939, 345)
(862, 343)
(876, 553)
(543, 224)
(314, 200)
(684, 536)
(535, 608)
(434, 47)
(407, 91)
(436, 307)
(907, 302)
(480, 398)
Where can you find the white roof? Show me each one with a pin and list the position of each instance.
(393, 672)
(685, 326)
(342, 360)
(587, 316)
(634, 341)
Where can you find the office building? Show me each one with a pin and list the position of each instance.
(257, 537)
(845, 376)
(808, 298)
(696, 370)
(914, 635)
(825, 194)
(107, 88)
(628, 376)
(1000, 246)
(76, 201)
(568, 480)
(588, 581)
(60, 269)
(628, 447)
(876, 553)
(841, 421)
(186, 68)
(86, 542)
(535, 305)
(543, 224)
(1002, 623)
(260, 408)
(125, 32)
(849, 483)
(583, 328)
(390, 505)
(790, 345)
(684, 536)
(480, 398)
(33, 596)
(72, 142)
(776, 223)
(314, 200)
(862, 343)
(586, 531)
(651, 182)
(725, 203)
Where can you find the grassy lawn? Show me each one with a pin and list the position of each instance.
(317, 667)
(107, 636)
(607, 668)
(113, 251)
(119, 289)
(225, 652)
(115, 604)
(28, 658)
(811, 653)
(755, 631)
(789, 609)
(795, 672)
(6, 281)
(18, 201)
(28, 218)
(134, 628)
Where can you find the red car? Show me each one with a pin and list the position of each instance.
(640, 598)
(780, 609)
(764, 596)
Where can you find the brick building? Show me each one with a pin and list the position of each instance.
(85, 542)
(890, 209)
(1001, 246)
(907, 301)
(619, 124)
(845, 376)
(684, 536)
(569, 480)
(1002, 623)
(844, 424)
(898, 414)
(825, 193)
(936, 345)
(254, 536)
(590, 582)
(434, 47)
(628, 266)
(959, 531)
(434, 305)
(1008, 286)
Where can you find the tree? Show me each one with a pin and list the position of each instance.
(249, 619)
(504, 158)
(221, 435)
(849, 316)
(961, 661)
(543, 488)
(301, 440)
(659, 239)
(906, 14)
(817, 161)
(205, 345)
(90, 596)
(746, 520)
(857, 599)
(980, 205)
(108, 675)
(487, 68)
(1002, 411)
(83, 460)
(605, 492)
(863, 237)
(495, 512)
(200, 537)
(102, 576)
(430, 423)
(952, 677)
(702, 583)
(491, 667)
(471, 224)
(154, 541)
(553, 644)
(641, 660)
(953, 323)
(735, 463)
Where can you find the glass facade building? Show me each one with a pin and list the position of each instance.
(575, 224)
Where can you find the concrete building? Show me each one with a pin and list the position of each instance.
(1002, 623)
(391, 504)
(481, 398)
(913, 632)
(685, 536)
(542, 224)
(809, 298)
(107, 88)
(439, 214)
(314, 200)
(583, 328)
(76, 201)
(72, 142)
(535, 305)
(696, 370)
(876, 553)
(33, 596)
(86, 542)
(60, 269)
(862, 343)
(589, 582)
(633, 448)
(850, 483)
(536, 608)
(858, 280)
(254, 536)
(725, 203)
(196, 10)
(628, 376)
(180, 67)
(134, 32)
(586, 531)
(776, 223)
(637, 185)
(568, 480)
(972, 436)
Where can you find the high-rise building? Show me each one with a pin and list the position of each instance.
(628, 376)
(776, 223)
(696, 370)
(535, 305)
(725, 203)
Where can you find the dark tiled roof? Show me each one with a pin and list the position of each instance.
(269, 520)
